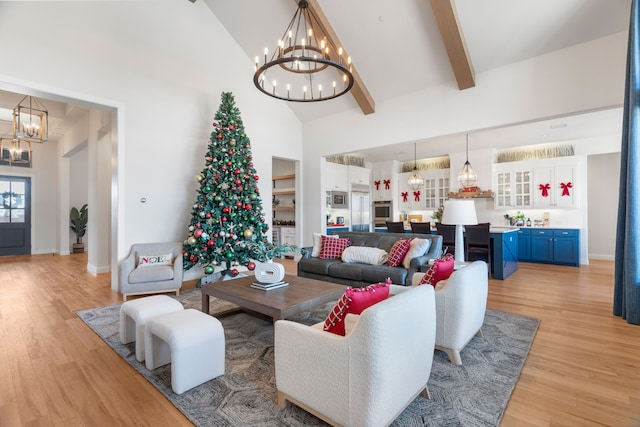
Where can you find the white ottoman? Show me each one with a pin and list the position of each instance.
(135, 314)
(192, 341)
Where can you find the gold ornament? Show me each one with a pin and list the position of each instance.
(247, 234)
(191, 240)
(232, 142)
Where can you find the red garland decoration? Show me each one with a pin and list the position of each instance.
(404, 195)
(545, 189)
(565, 188)
(416, 196)
(387, 184)
(377, 184)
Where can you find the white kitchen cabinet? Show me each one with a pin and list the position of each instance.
(288, 235)
(382, 188)
(336, 177)
(359, 176)
(555, 187)
(513, 188)
(436, 187)
(409, 199)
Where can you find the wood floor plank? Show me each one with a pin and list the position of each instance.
(583, 368)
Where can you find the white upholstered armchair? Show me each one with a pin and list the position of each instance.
(461, 303)
(368, 377)
(152, 268)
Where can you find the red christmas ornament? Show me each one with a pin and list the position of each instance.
(231, 235)
(219, 136)
(238, 182)
(247, 207)
(197, 233)
(199, 206)
(256, 177)
(250, 164)
(207, 215)
(192, 258)
(249, 157)
(229, 162)
(234, 272)
(197, 224)
(234, 188)
(217, 175)
(237, 171)
(223, 167)
(225, 210)
(238, 203)
(215, 235)
(210, 242)
(251, 266)
(215, 124)
(224, 219)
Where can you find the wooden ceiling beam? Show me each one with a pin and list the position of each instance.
(453, 39)
(359, 90)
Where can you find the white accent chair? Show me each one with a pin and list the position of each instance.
(151, 279)
(368, 377)
(461, 303)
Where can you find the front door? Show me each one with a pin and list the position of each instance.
(15, 215)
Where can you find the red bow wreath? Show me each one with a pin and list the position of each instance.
(416, 196)
(377, 184)
(387, 184)
(545, 189)
(565, 188)
(404, 195)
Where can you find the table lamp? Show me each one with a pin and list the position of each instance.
(459, 212)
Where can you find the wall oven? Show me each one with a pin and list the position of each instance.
(382, 212)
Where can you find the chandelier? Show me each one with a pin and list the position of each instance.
(467, 177)
(15, 151)
(415, 180)
(303, 67)
(30, 120)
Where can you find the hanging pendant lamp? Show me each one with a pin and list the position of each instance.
(467, 177)
(415, 180)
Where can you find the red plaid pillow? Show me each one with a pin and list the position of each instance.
(354, 301)
(440, 270)
(398, 251)
(332, 248)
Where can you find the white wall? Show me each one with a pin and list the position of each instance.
(604, 183)
(78, 189)
(163, 64)
(581, 78)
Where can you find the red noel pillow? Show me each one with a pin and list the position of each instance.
(398, 252)
(354, 300)
(440, 270)
(332, 248)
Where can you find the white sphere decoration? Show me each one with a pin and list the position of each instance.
(191, 228)
(201, 214)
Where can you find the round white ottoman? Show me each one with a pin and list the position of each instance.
(135, 314)
(192, 341)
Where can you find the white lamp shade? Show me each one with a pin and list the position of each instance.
(459, 212)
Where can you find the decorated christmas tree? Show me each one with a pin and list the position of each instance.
(227, 222)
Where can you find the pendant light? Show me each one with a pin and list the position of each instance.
(467, 177)
(415, 180)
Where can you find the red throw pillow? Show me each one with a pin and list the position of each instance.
(398, 252)
(332, 248)
(354, 300)
(440, 270)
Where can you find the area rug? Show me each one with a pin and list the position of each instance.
(474, 394)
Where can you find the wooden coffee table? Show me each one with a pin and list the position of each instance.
(281, 303)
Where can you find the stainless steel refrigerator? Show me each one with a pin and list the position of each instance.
(360, 210)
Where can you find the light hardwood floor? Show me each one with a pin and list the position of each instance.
(583, 368)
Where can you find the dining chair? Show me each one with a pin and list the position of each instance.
(448, 233)
(395, 227)
(421, 227)
(478, 242)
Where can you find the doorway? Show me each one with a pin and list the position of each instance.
(15, 215)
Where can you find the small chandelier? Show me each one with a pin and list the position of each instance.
(30, 121)
(415, 180)
(303, 68)
(15, 151)
(467, 177)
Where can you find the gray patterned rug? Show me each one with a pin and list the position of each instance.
(475, 394)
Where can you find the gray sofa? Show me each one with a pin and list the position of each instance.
(357, 275)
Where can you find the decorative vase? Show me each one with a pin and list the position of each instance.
(269, 272)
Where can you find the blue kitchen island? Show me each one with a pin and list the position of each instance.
(504, 255)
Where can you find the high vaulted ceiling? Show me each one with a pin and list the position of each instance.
(398, 48)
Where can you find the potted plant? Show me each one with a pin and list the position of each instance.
(267, 271)
(78, 224)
